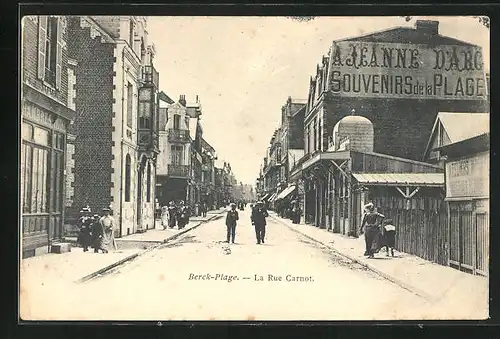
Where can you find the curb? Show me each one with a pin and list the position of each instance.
(138, 254)
(392, 279)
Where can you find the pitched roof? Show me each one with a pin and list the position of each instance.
(461, 126)
(164, 97)
(407, 35)
(453, 123)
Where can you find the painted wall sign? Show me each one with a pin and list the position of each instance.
(468, 178)
(390, 70)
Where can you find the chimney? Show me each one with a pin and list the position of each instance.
(430, 27)
(182, 100)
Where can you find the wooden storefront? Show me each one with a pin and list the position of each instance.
(43, 162)
(410, 192)
(467, 195)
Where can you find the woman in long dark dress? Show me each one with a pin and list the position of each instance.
(172, 214)
(373, 235)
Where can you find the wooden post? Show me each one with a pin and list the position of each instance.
(329, 201)
(474, 241)
(350, 200)
(343, 204)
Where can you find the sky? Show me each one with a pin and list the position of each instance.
(244, 68)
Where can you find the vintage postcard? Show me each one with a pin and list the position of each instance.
(254, 168)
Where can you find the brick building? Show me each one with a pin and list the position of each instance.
(397, 79)
(46, 113)
(116, 142)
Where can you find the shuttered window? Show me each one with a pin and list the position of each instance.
(130, 104)
(128, 169)
(50, 43)
(148, 188)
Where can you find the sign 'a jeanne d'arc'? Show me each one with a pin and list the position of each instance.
(391, 70)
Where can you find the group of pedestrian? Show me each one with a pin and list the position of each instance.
(258, 219)
(241, 205)
(96, 231)
(176, 214)
(379, 232)
(289, 210)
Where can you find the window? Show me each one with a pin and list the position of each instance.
(131, 34)
(130, 104)
(176, 155)
(177, 121)
(315, 135)
(148, 187)
(35, 179)
(127, 177)
(320, 137)
(50, 50)
(57, 169)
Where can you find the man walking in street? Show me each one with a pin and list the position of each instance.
(231, 218)
(259, 215)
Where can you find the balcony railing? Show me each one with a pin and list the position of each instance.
(178, 135)
(150, 75)
(179, 171)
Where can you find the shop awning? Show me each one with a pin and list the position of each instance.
(400, 179)
(273, 197)
(286, 192)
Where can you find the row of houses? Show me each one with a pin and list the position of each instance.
(398, 129)
(97, 131)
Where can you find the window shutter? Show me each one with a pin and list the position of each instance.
(59, 54)
(42, 36)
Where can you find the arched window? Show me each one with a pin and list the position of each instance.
(148, 187)
(127, 177)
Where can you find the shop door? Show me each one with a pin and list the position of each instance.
(482, 241)
(469, 237)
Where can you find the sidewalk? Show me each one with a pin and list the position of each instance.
(74, 265)
(68, 266)
(436, 283)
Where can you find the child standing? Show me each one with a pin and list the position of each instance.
(389, 236)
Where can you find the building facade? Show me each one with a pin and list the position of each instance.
(174, 161)
(468, 197)
(380, 110)
(208, 192)
(47, 109)
(116, 128)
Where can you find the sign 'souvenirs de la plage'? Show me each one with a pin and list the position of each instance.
(391, 70)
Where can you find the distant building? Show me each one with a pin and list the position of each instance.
(290, 139)
(208, 192)
(174, 161)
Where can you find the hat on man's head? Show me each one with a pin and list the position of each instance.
(85, 210)
(369, 207)
(171, 203)
(232, 204)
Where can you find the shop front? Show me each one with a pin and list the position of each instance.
(43, 161)
(467, 171)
